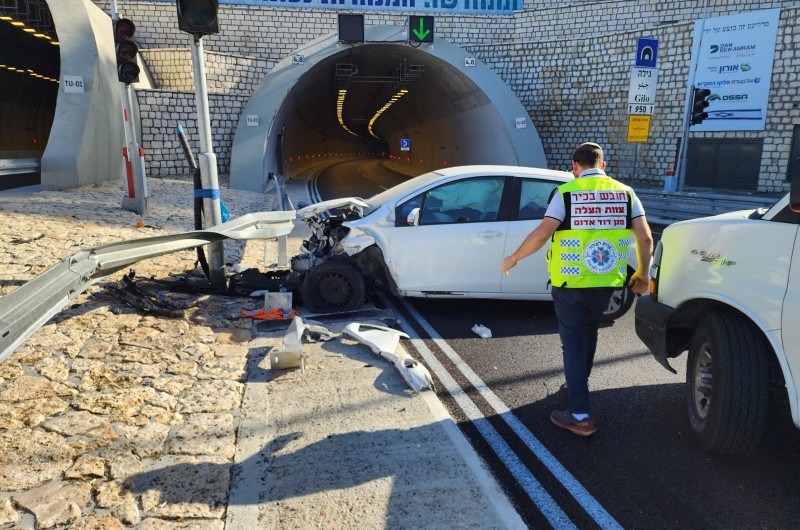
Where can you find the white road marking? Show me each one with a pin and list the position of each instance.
(546, 504)
(576, 489)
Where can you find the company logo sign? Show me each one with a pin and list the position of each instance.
(733, 68)
(727, 97)
(730, 47)
(600, 256)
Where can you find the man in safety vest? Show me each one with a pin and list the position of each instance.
(589, 220)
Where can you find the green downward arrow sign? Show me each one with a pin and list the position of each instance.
(422, 32)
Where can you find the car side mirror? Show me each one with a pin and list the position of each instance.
(413, 217)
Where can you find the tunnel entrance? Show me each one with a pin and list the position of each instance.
(29, 74)
(420, 108)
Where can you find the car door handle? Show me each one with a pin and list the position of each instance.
(490, 234)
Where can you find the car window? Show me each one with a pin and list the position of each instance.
(464, 201)
(534, 198)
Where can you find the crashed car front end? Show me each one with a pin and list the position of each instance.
(339, 262)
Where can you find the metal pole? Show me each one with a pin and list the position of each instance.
(681, 167)
(135, 183)
(207, 161)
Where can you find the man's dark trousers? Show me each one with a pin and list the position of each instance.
(579, 312)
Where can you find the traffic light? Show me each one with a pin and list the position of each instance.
(198, 17)
(699, 105)
(126, 50)
(420, 29)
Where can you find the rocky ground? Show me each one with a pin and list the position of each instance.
(111, 418)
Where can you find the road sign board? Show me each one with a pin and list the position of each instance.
(643, 85)
(420, 29)
(638, 108)
(638, 128)
(405, 144)
(646, 52)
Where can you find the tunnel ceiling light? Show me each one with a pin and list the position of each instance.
(28, 71)
(400, 93)
(41, 33)
(340, 107)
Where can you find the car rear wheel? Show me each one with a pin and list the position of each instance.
(333, 285)
(727, 380)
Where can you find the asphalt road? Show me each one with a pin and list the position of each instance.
(643, 468)
(644, 465)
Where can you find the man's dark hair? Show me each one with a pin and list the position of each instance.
(588, 155)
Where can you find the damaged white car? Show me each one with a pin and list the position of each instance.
(443, 234)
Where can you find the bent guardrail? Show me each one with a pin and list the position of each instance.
(27, 308)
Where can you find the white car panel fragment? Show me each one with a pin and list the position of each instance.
(384, 341)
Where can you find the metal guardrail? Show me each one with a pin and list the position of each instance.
(17, 166)
(665, 208)
(27, 308)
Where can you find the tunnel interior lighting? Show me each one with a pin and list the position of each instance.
(28, 71)
(340, 107)
(397, 95)
(42, 34)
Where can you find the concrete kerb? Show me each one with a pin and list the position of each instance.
(346, 444)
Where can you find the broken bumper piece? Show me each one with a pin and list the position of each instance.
(384, 341)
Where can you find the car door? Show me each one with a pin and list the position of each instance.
(457, 247)
(530, 276)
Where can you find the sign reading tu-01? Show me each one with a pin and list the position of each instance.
(420, 29)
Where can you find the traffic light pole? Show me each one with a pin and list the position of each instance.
(133, 156)
(687, 112)
(207, 162)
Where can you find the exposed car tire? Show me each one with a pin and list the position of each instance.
(727, 383)
(620, 302)
(333, 285)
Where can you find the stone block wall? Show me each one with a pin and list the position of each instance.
(567, 62)
(172, 70)
(163, 110)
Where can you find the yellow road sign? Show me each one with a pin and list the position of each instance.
(638, 128)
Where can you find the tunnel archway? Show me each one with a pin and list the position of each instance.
(30, 65)
(334, 100)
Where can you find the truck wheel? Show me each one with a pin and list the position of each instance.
(333, 285)
(727, 383)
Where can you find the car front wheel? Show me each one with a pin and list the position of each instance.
(333, 285)
(727, 380)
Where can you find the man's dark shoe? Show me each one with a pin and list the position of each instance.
(565, 420)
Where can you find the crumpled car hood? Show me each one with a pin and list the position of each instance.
(333, 204)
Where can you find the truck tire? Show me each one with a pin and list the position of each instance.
(333, 285)
(727, 380)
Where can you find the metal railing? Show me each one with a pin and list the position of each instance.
(665, 208)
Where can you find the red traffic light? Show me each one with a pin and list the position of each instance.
(124, 29)
(125, 49)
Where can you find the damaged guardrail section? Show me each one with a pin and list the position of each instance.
(30, 306)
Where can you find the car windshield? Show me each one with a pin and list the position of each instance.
(395, 191)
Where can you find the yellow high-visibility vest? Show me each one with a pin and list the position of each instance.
(590, 248)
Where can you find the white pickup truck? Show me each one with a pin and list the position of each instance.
(727, 289)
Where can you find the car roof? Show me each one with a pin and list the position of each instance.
(503, 169)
